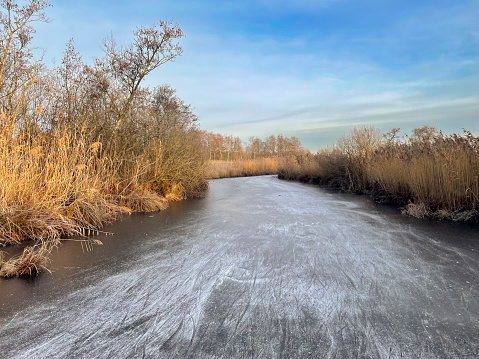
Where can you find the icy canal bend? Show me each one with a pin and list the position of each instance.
(260, 268)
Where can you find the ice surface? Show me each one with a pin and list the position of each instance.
(260, 268)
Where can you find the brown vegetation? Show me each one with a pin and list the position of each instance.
(81, 144)
(428, 173)
(33, 260)
(242, 168)
(231, 157)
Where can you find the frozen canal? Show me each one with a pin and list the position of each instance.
(260, 268)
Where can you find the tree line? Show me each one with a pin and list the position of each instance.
(228, 147)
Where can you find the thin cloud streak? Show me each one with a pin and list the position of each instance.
(258, 68)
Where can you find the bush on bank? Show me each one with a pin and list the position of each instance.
(428, 173)
(81, 144)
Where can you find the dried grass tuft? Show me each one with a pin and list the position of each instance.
(419, 210)
(144, 202)
(33, 260)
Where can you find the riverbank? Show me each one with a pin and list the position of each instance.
(426, 174)
(82, 144)
(60, 184)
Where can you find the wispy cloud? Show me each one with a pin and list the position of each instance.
(304, 68)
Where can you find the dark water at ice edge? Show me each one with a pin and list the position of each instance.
(260, 268)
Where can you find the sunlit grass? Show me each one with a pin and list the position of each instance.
(428, 173)
(59, 184)
(443, 173)
(242, 168)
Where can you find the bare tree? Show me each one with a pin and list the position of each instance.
(392, 136)
(18, 70)
(238, 148)
(171, 111)
(425, 134)
(126, 67)
(270, 146)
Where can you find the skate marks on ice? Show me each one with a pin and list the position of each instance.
(262, 268)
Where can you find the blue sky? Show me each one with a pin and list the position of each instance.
(311, 69)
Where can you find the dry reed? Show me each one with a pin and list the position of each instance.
(429, 173)
(441, 173)
(33, 260)
(52, 185)
(81, 144)
(60, 184)
(242, 168)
